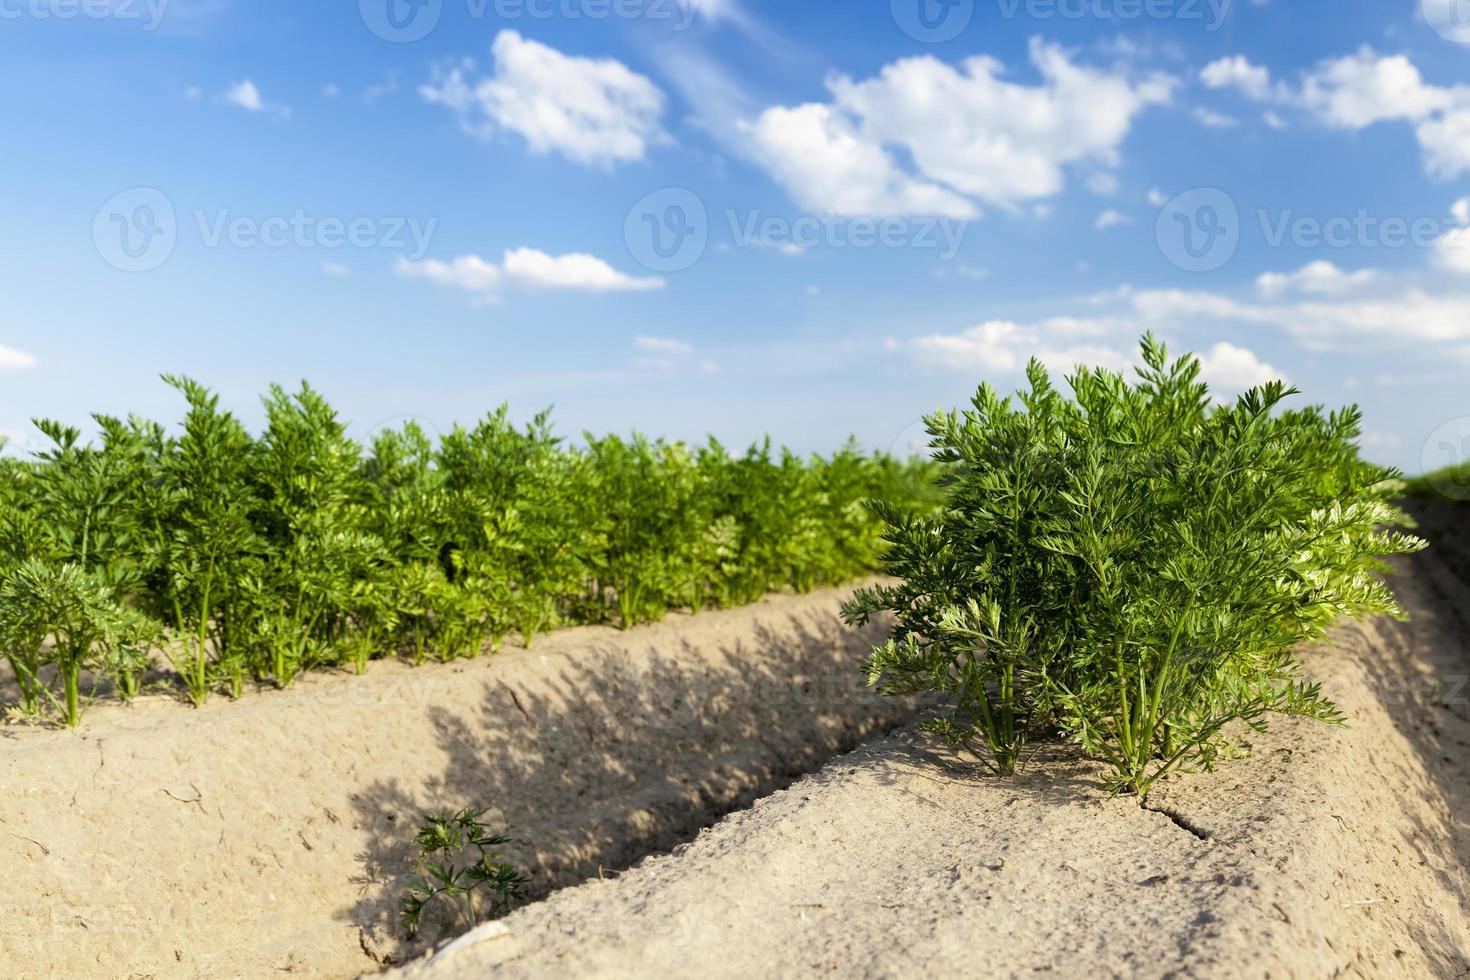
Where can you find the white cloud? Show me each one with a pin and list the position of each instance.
(1157, 198)
(1111, 218)
(1063, 343)
(669, 355)
(1214, 120)
(1452, 249)
(576, 270)
(1364, 89)
(969, 135)
(12, 359)
(667, 345)
(527, 268)
(1445, 140)
(1273, 120)
(593, 111)
(1006, 346)
(336, 269)
(1228, 367)
(245, 95)
(827, 166)
(468, 272)
(1321, 323)
(1320, 277)
(1103, 184)
(1238, 73)
(193, 93)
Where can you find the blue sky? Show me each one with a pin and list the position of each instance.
(862, 207)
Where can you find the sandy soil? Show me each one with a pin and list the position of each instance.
(271, 835)
(1328, 853)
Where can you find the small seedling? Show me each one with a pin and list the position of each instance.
(457, 857)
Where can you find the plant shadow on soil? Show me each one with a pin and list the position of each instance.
(1422, 678)
(620, 755)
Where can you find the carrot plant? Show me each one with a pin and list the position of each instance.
(207, 542)
(63, 616)
(243, 559)
(1131, 566)
(458, 858)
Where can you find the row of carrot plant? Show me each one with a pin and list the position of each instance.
(239, 559)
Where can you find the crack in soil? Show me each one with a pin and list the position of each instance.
(1179, 820)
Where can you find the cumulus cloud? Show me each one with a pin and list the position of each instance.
(828, 166)
(1320, 277)
(1361, 90)
(926, 137)
(1110, 219)
(527, 269)
(1238, 73)
(576, 270)
(1230, 368)
(593, 111)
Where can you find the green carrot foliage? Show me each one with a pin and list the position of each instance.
(1131, 566)
(236, 559)
(458, 859)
